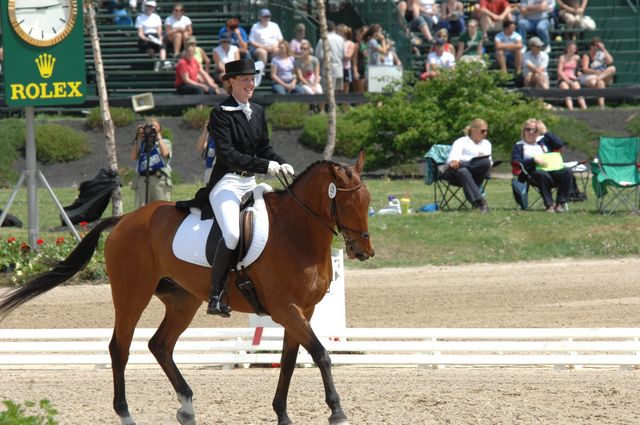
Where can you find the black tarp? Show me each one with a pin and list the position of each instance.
(93, 198)
(11, 221)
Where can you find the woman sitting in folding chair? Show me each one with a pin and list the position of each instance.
(469, 162)
(541, 164)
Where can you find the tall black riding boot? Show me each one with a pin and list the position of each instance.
(221, 264)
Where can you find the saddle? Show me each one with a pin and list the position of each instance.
(243, 281)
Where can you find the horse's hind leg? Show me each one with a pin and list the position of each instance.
(181, 306)
(298, 329)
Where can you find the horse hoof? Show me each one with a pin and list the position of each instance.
(185, 418)
(338, 421)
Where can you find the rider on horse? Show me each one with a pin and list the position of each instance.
(239, 131)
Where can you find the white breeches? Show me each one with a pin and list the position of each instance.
(225, 201)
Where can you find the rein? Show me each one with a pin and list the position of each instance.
(334, 212)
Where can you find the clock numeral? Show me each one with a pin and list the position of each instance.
(42, 34)
(30, 30)
(63, 20)
(54, 30)
(20, 23)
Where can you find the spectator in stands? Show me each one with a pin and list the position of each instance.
(282, 73)
(149, 27)
(159, 178)
(534, 18)
(307, 68)
(178, 28)
(452, 17)
(443, 34)
(191, 78)
(300, 31)
(536, 141)
(239, 37)
(470, 43)
(376, 44)
(349, 59)
(264, 37)
(535, 63)
(200, 55)
(597, 67)
(410, 9)
(572, 13)
(568, 75)
(225, 52)
(391, 58)
(508, 45)
(469, 162)
(491, 14)
(361, 60)
(336, 55)
(438, 60)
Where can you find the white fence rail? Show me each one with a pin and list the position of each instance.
(436, 347)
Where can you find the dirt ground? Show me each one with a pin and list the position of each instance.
(574, 293)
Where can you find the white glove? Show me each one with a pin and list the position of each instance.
(273, 168)
(287, 169)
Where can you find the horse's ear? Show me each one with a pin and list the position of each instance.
(360, 161)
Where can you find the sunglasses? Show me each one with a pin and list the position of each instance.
(484, 131)
(531, 129)
(177, 10)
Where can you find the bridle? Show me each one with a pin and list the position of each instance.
(335, 217)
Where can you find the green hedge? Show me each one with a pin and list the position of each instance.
(349, 134)
(57, 143)
(12, 131)
(195, 117)
(121, 117)
(287, 115)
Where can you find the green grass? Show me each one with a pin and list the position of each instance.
(505, 235)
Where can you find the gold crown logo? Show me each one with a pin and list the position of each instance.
(45, 64)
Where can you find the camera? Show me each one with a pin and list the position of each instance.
(149, 134)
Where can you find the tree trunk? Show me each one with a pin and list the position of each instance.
(107, 122)
(331, 95)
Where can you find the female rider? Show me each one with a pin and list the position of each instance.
(239, 130)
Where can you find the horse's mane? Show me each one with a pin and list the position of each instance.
(313, 165)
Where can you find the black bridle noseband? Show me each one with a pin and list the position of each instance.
(335, 217)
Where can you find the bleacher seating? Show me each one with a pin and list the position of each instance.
(129, 71)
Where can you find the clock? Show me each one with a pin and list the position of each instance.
(42, 23)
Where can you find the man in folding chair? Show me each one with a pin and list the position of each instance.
(541, 164)
(469, 163)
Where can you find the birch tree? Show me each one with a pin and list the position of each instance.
(331, 95)
(107, 122)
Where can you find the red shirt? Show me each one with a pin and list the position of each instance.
(494, 6)
(191, 67)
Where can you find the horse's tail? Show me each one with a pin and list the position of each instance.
(62, 272)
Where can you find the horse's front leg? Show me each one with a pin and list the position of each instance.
(297, 326)
(287, 364)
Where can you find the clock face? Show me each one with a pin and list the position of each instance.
(42, 22)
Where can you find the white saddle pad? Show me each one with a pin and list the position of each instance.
(190, 241)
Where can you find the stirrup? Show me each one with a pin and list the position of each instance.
(217, 308)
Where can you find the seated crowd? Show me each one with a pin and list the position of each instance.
(517, 33)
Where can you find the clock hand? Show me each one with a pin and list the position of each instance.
(47, 6)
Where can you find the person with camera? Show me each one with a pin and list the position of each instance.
(242, 148)
(152, 154)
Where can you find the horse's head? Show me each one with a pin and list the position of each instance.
(350, 208)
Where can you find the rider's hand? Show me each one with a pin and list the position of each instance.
(273, 168)
(287, 169)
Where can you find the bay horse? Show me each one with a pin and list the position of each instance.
(291, 276)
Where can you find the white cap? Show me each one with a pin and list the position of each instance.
(150, 3)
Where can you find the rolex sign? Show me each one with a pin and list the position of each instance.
(43, 52)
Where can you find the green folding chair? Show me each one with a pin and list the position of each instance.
(616, 181)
